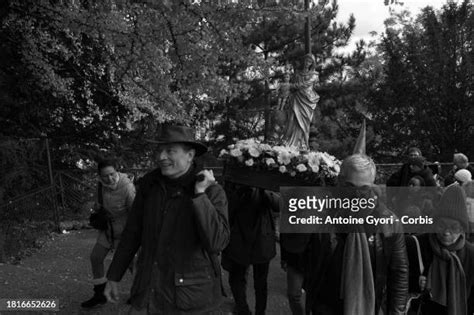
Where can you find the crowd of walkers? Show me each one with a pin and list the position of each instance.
(184, 226)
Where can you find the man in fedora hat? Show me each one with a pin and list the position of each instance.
(179, 219)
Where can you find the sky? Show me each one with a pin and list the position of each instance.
(370, 14)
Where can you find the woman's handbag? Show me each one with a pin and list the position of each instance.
(99, 219)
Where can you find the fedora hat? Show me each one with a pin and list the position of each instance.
(178, 134)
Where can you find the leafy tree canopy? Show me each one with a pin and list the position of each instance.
(98, 76)
(426, 96)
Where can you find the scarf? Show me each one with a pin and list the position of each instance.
(185, 182)
(446, 277)
(357, 283)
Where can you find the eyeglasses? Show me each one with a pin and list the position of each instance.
(453, 228)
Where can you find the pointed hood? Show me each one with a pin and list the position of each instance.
(359, 147)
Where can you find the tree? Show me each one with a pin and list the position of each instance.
(345, 79)
(426, 96)
(99, 76)
(55, 81)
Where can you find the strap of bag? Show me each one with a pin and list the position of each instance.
(418, 296)
(418, 251)
(112, 239)
(100, 197)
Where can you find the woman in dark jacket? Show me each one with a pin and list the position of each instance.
(252, 242)
(442, 264)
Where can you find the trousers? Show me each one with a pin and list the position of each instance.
(238, 284)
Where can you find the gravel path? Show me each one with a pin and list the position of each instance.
(60, 270)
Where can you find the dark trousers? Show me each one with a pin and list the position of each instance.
(238, 285)
(294, 280)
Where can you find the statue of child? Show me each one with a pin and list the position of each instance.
(283, 91)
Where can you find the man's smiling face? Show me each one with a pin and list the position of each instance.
(175, 159)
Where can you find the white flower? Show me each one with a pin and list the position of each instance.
(326, 159)
(301, 168)
(270, 161)
(254, 152)
(265, 147)
(288, 159)
(284, 158)
(314, 168)
(247, 142)
(293, 151)
(223, 152)
(236, 152)
(313, 161)
(279, 148)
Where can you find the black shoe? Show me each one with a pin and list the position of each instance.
(98, 298)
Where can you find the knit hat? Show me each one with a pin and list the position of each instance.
(463, 176)
(417, 161)
(453, 205)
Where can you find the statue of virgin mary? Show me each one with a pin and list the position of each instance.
(302, 103)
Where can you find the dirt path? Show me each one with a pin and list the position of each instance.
(60, 270)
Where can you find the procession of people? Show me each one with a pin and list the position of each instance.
(185, 229)
(201, 157)
(185, 226)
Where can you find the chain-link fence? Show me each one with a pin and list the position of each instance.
(35, 206)
(74, 193)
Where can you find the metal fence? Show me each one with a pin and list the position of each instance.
(74, 191)
(36, 206)
(64, 199)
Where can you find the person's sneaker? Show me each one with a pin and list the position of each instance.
(98, 298)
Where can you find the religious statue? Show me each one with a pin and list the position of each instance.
(302, 103)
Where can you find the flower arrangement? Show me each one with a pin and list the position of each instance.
(286, 160)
